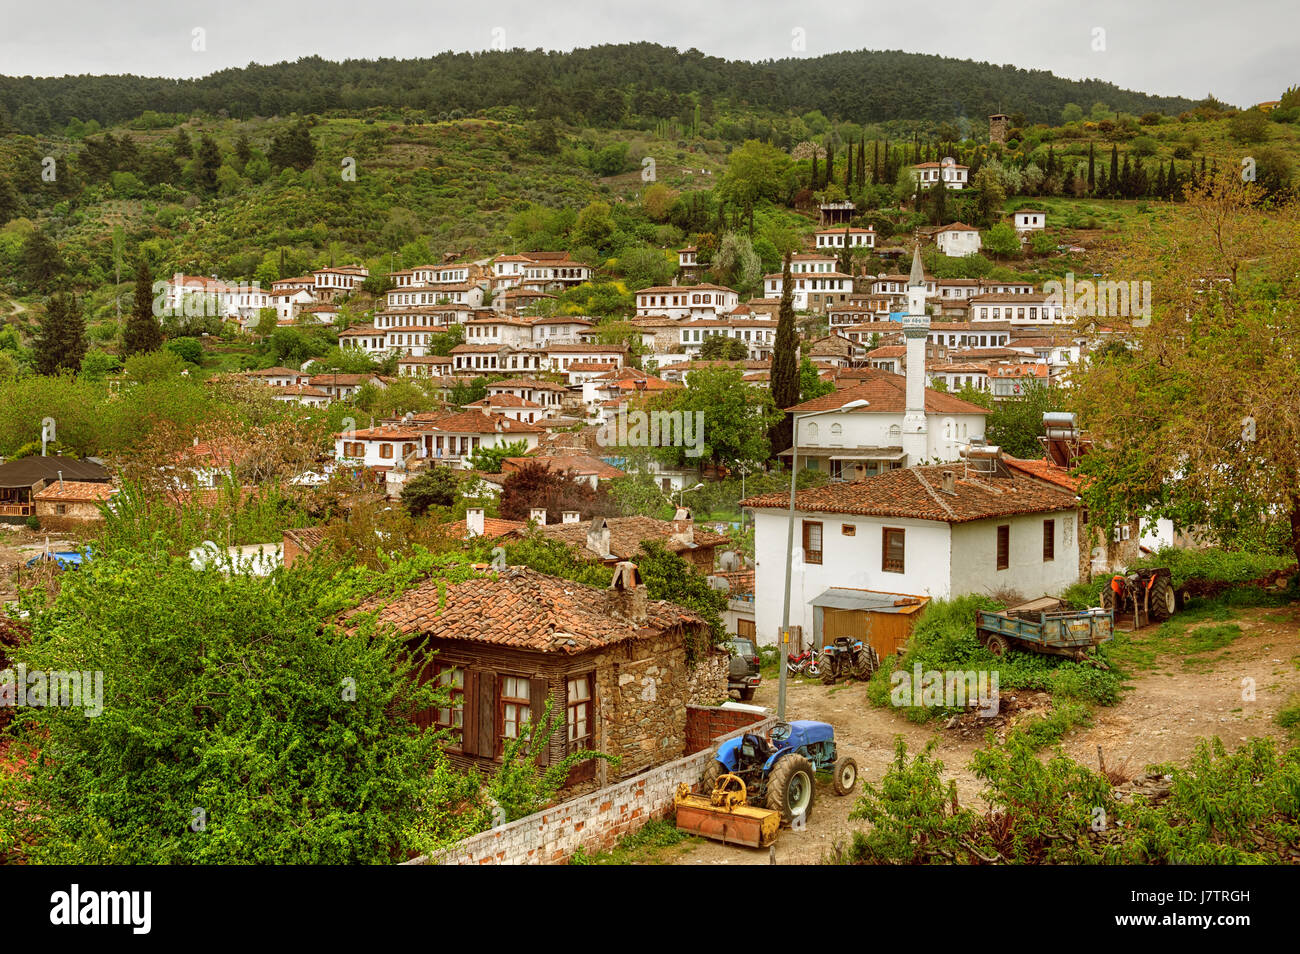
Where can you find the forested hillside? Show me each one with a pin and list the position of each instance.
(602, 86)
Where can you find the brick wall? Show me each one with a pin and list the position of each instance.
(594, 821)
(706, 724)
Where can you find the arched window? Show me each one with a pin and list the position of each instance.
(812, 432)
(895, 430)
(837, 430)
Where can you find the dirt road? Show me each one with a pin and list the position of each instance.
(1159, 719)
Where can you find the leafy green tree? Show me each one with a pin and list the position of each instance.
(292, 147)
(142, 333)
(206, 164)
(435, 487)
(1002, 241)
(723, 347)
(61, 337)
(488, 459)
(811, 384)
(8, 201)
(239, 702)
(756, 172)
(736, 417)
(990, 196)
(188, 350)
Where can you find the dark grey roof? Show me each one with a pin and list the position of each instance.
(26, 471)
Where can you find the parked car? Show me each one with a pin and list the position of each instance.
(743, 675)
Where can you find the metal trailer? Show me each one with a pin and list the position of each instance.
(1045, 626)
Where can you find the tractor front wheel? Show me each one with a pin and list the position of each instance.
(710, 776)
(790, 788)
(846, 775)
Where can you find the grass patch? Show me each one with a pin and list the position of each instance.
(1289, 717)
(654, 843)
(944, 640)
(1041, 731)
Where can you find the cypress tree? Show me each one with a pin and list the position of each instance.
(830, 161)
(61, 336)
(785, 362)
(814, 169)
(142, 333)
(848, 170)
(862, 160)
(1114, 169)
(1092, 172)
(875, 161)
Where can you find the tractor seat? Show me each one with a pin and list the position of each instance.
(760, 748)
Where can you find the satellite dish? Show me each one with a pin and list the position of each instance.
(729, 560)
(202, 555)
(408, 417)
(721, 584)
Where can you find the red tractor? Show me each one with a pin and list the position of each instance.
(1147, 594)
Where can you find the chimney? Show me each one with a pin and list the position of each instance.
(682, 514)
(626, 596)
(570, 516)
(949, 482)
(683, 530)
(538, 516)
(474, 521)
(598, 538)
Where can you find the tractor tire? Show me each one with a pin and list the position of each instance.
(790, 788)
(828, 677)
(1163, 601)
(846, 775)
(996, 644)
(867, 663)
(1108, 598)
(711, 774)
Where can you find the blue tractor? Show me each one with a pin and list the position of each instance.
(778, 769)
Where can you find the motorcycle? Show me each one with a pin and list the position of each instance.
(803, 664)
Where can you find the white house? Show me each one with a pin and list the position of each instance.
(451, 438)
(686, 301)
(957, 240)
(949, 172)
(1029, 220)
(939, 531)
(379, 448)
(830, 239)
(813, 290)
(1018, 309)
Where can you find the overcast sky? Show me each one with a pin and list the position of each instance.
(1243, 51)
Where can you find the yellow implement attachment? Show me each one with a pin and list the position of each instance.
(725, 815)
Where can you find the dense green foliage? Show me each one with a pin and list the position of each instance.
(1222, 808)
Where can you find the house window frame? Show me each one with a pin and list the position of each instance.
(808, 552)
(1049, 540)
(887, 565)
(520, 704)
(576, 743)
(1002, 548)
(444, 718)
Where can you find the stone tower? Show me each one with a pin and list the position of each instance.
(999, 123)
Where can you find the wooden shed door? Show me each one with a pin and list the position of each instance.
(745, 628)
(852, 623)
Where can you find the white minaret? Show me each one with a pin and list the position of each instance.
(916, 328)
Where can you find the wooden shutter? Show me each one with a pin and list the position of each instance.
(539, 690)
(469, 730)
(487, 714)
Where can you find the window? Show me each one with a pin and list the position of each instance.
(579, 712)
(1004, 547)
(386, 451)
(452, 678)
(848, 529)
(812, 541)
(516, 699)
(892, 550)
(1049, 540)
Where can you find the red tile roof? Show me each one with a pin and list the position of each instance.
(626, 535)
(916, 492)
(887, 393)
(520, 608)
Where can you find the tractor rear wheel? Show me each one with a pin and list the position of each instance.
(790, 788)
(846, 775)
(1163, 600)
(997, 644)
(1108, 598)
(711, 773)
(867, 663)
(828, 676)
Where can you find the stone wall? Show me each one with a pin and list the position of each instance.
(643, 703)
(594, 821)
(706, 681)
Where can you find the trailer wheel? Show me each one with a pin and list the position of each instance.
(790, 788)
(846, 775)
(996, 643)
(1163, 599)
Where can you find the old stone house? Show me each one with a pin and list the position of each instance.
(611, 539)
(612, 663)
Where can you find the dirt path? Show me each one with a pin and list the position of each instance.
(1160, 719)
